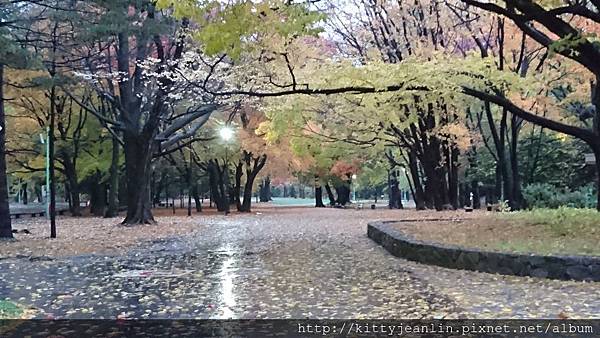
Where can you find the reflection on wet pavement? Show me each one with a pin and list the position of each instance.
(294, 263)
(226, 275)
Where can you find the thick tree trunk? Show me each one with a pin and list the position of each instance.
(253, 166)
(435, 185)
(418, 194)
(343, 193)
(265, 190)
(330, 194)
(318, 193)
(112, 209)
(246, 204)
(5, 223)
(138, 157)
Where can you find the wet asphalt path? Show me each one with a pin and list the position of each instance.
(292, 263)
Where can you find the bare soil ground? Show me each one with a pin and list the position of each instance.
(491, 232)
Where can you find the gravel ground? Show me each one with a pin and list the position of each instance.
(281, 263)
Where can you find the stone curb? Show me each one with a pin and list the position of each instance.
(580, 268)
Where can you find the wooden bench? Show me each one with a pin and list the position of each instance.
(18, 215)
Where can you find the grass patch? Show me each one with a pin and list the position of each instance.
(10, 310)
(562, 231)
(559, 222)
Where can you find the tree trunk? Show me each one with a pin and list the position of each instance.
(463, 195)
(597, 154)
(318, 193)
(330, 194)
(5, 223)
(497, 186)
(113, 194)
(435, 185)
(596, 130)
(343, 193)
(453, 178)
(265, 190)
(38, 193)
(517, 196)
(476, 195)
(238, 186)
(51, 173)
(138, 157)
(216, 175)
(253, 166)
(98, 199)
(73, 183)
(246, 205)
(196, 196)
(503, 161)
(418, 194)
(395, 196)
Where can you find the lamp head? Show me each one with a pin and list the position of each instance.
(226, 133)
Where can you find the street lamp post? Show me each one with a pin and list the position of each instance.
(47, 192)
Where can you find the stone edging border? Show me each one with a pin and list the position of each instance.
(581, 268)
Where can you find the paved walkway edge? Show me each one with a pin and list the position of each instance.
(582, 268)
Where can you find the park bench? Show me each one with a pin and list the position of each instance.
(17, 215)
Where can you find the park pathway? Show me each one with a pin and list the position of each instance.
(284, 263)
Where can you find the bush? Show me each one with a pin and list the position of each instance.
(543, 195)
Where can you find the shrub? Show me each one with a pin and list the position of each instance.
(543, 195)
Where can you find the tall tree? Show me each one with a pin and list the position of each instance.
(148, 45)
(12, 21)
(563, 28)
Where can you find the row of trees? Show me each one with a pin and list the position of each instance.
(438, 135)
(117, 61)
(428, 87)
